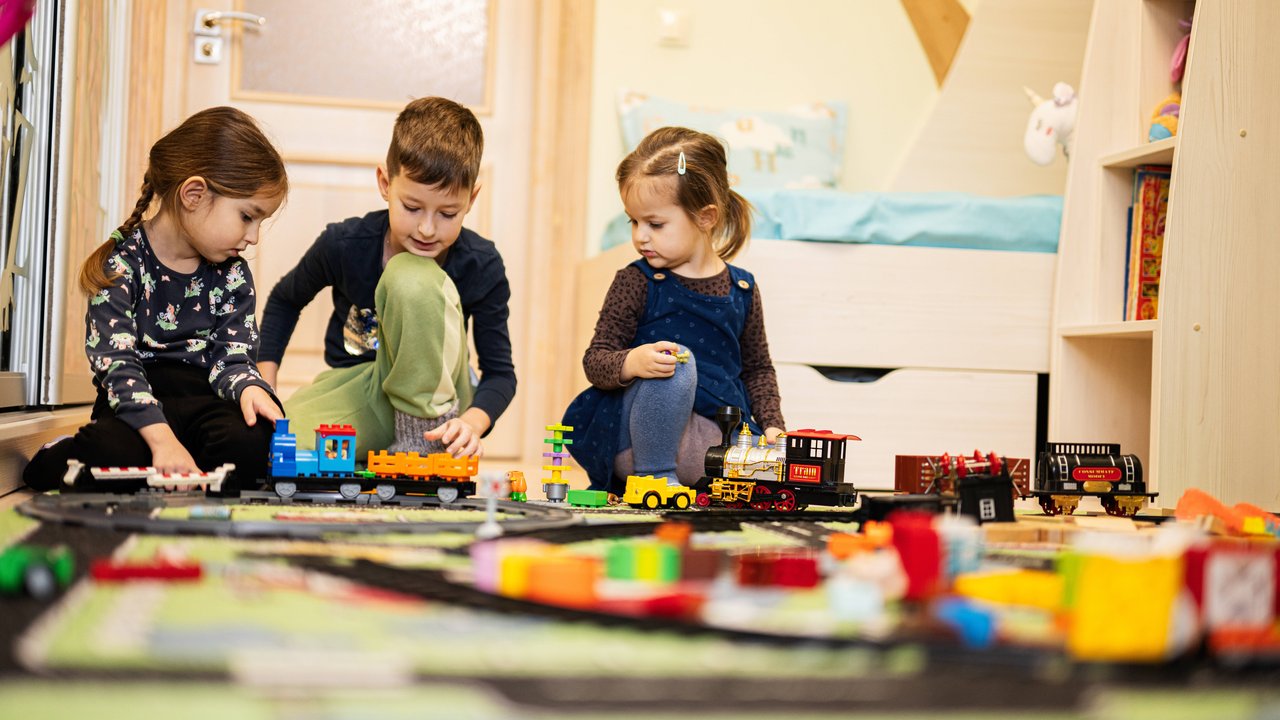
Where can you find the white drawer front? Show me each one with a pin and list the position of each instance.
(913, 412)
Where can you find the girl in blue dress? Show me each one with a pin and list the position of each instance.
(681, 332)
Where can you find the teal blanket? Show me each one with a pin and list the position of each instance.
(952, 220)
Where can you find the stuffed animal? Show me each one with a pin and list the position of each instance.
(1178, 63)
(1164, 121)
(1051, 124)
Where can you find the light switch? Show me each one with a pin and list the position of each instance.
(673, 27)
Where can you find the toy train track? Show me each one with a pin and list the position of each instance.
(139, 513)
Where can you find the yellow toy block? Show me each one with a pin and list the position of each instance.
(1028, 588)
(1123, 608)
(513, 574)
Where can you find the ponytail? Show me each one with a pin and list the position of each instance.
(93, 274)
(735, 226)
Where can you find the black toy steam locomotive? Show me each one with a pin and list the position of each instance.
(802, 468)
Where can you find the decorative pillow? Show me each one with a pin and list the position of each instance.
(798, 148)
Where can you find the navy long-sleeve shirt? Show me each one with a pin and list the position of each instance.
(348, 258)
(150, 312)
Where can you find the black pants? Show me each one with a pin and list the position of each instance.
(210, 428)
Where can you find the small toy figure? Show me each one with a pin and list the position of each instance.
(681, 357)
(519, 486)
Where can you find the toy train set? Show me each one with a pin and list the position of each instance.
(1066, 472)
(805, 467)
(332, 467)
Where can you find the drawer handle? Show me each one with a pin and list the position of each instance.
(852, 374)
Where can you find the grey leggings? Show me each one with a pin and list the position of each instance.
(660, 435)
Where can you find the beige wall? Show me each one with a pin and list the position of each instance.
(764, 54)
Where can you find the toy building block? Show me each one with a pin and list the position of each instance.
(676, 533)
(35, 571)
(588, 498)
(1122, 608)
(1235, 586)
(106, 570)
(563, 580)
(701, 565)
(556, 487)
(1026, 588)
(152, 478)
(657, 562)
(920, 550)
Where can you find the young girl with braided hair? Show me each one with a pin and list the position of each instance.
(170, 331)
(681, 332)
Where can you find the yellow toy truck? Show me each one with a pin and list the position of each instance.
(652, 493)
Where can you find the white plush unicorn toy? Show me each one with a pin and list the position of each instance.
(1051, 124)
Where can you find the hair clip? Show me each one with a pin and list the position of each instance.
(680, 166)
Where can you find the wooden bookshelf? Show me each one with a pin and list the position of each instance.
(1195, 393)
(1124, 330)
(1159, 152)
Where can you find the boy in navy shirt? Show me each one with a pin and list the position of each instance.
(407, 283)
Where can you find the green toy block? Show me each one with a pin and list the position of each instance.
(588, 498)
(620, 561)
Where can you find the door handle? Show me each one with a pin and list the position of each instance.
(207, 20)
(207, 43)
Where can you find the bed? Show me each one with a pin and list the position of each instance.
(917, 321)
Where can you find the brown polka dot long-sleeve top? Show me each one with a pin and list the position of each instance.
(620, 317)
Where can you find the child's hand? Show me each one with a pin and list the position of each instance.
(255, 401)
(771, 434)
(173, 459)
(459, 438)
(655, 360)
(167, 453)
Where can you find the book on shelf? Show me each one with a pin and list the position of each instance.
(1146, 241)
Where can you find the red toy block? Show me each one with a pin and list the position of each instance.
(920, 551)
(111, 571)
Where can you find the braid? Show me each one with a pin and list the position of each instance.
(144, 202)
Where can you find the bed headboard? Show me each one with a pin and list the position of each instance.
(972, 141)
